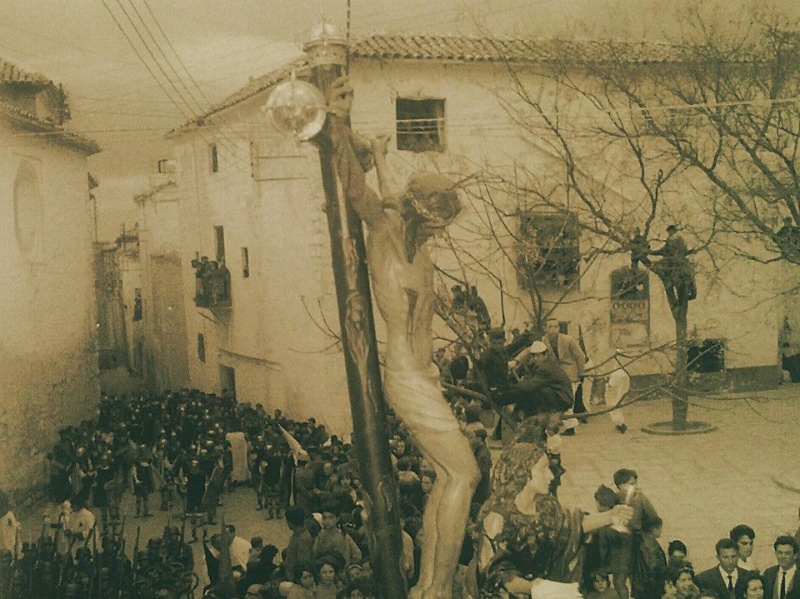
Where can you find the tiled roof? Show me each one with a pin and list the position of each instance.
(50, 130)
(10, 73)
(464, 49)
(469, 49)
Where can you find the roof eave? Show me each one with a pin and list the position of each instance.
(54, 133)
(271, 79)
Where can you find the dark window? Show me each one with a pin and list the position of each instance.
(201, 347)
(706, 355)
(548, 249)
(630, 285)
(137, 304)
(420, 125)
(219, 240)
(214, 158)
(245, 263)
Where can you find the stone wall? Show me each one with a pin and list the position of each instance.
(48, 349)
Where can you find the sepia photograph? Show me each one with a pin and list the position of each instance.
(400, 299)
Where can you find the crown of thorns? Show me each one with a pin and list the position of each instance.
(422, 186)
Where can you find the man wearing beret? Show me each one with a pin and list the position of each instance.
(544, 386)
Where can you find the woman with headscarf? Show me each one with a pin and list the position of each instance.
(527, 539)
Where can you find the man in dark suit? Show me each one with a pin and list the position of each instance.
(721, 580)
(780, 581)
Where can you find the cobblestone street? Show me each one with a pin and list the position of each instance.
(702, 485)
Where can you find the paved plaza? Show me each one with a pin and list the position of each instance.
(702, 485)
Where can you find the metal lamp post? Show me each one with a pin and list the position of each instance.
(299, 107)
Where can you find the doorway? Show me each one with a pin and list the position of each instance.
(227, 381)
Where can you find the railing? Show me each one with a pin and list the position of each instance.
(212, 284)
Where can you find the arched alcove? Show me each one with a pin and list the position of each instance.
(28, 209)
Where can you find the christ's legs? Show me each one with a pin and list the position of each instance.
(447, 510)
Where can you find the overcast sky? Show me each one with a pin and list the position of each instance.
(118, 102)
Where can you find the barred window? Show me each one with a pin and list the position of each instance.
(706, 355)
(548, 249)
(420, 125)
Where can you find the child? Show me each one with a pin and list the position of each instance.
(677, 554)
(332, 540)
(651, 564)
(627, 483)
(254, 555)
(601, 586)
(261, 485)
(601, 544)
(143, 484)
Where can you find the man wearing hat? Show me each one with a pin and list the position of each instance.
(675, 268)
(493, 361)
(543, 387)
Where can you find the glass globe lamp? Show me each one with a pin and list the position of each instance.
(296, 108)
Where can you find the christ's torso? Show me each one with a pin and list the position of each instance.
(404, 294)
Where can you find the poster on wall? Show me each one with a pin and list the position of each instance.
(630, 309)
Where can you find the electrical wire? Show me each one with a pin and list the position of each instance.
(229, 144)
(188, 116)
(454, 123)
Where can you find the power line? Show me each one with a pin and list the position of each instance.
(187, 116)
(201, 108)
(156, 61)
(169, 43)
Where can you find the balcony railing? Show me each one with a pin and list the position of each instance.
(212, 284)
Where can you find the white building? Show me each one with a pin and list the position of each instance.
(254, 198)
(161, 289)
(48, 352)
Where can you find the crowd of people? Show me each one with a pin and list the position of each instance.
(212, 283)
(188, 448)
(181, 449)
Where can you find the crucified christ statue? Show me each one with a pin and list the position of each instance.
(401, 270)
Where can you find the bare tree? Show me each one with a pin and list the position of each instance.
(609, 181)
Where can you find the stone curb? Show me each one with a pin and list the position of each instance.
(692, 428)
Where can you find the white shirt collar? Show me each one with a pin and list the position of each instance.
(734, 575)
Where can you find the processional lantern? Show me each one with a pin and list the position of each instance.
(296, 107)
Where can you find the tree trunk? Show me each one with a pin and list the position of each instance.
(680, 397)
(679, 307)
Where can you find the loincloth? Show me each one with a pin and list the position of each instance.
(418, 402)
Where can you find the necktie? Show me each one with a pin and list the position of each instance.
(730, 584)
(783, 585)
